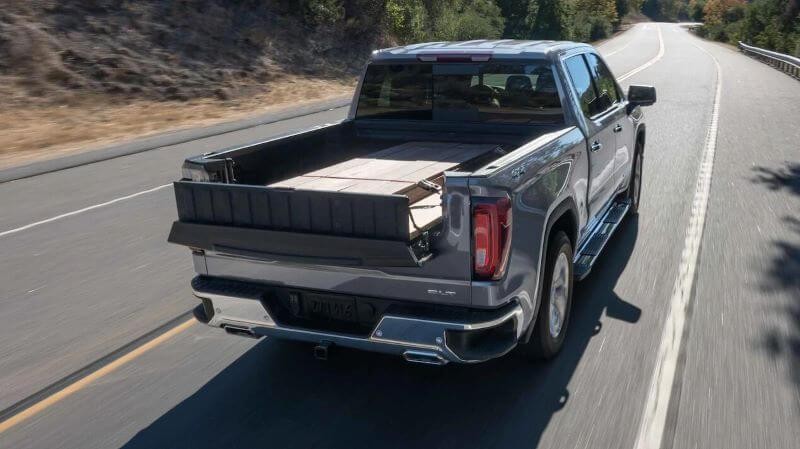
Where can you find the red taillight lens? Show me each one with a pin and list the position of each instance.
(491, 237)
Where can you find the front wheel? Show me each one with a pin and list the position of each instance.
(635, 186)
(551, 323)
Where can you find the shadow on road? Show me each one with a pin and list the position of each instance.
(784, 274)
(277, 395)
(787, 178)
(783, 271)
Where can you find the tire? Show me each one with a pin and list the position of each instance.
(634, 194)
(550, 329)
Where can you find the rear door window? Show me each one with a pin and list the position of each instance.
(603, 79)
(582, 82)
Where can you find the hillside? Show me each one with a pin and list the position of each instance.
(56, 51)
(75, 74)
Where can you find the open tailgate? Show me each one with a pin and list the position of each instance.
(295, 225)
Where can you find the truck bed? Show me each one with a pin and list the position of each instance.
(369, 194)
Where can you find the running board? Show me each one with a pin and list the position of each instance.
(593, 247)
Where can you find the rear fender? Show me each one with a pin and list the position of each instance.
(537, 178)
(566, 206)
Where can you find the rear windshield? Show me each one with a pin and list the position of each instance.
(487, 92)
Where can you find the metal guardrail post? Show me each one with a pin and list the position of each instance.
(785, 63)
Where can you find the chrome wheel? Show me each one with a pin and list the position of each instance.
(559, 294)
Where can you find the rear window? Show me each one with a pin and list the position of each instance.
(488, 92)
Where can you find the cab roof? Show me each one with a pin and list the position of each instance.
(483, 48)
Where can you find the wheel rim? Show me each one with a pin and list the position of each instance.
(559, 294)
(637, 179)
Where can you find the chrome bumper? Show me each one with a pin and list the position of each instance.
(417, 339)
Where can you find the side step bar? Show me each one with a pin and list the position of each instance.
(588, 253)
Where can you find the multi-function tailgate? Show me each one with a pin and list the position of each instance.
(306, 226)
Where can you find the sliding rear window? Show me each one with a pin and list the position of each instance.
(469, 92)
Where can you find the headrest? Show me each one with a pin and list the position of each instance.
(545, 82)
(518, 82)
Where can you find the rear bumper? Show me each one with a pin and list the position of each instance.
(435, 338)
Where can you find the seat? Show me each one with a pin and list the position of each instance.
(519, 90)
(546, 93)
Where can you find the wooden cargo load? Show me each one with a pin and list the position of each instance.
(411, 169)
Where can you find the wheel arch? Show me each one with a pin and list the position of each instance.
(564, 217)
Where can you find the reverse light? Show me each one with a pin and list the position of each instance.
(491, 237)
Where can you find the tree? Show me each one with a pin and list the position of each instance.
(714, 11)
(551, 20)
(663, 9)
(695, 10)
(520, 16)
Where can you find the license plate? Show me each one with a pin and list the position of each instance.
(332, 308)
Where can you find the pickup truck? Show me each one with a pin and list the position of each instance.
(444, 220)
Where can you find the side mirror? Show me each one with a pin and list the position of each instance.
(641, 95)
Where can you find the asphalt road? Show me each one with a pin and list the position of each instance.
(74, 289)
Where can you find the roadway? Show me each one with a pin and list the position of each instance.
(84, 281)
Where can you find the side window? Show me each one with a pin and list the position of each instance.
(582, 82)
(604, 81)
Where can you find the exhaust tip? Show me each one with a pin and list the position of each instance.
(424, 357)
(241, 331)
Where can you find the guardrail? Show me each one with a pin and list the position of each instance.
(785, 63)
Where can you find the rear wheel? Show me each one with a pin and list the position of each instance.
(635, 186)
(553, 318)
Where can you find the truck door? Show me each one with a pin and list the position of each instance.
(622, 127)
(601, 118)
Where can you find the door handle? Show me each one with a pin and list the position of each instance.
(618, 128)
(596, 146)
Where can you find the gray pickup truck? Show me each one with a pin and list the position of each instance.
(444, 220)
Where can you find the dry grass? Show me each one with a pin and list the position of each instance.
(41, 132)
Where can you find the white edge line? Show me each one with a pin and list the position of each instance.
(617, 50)
(85, 209)
(650, 62)
(611, 40)
(651, 429)
(627, 44)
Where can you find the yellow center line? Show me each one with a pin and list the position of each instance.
(98, 374)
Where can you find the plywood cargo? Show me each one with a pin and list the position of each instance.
(394, 170)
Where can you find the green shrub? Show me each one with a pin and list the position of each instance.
(733, 32)
(600, 28)
(466, 19)
(797, 46)
(420, 20)
(407, 20)
(323, 12)
(587, 27)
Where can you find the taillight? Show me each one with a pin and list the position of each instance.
(491, 237)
